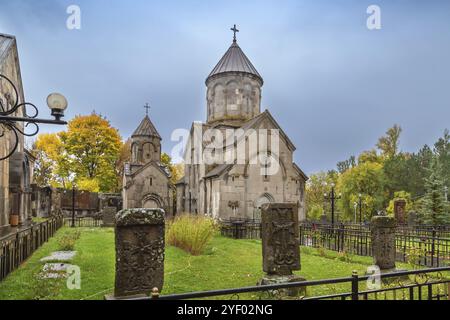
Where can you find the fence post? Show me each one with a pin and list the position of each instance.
(155, 294)
(433, 249)
(355, 285)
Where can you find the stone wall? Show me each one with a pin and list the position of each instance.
(9, 66)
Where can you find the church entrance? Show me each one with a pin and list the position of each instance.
(152, 202)
(265, 198)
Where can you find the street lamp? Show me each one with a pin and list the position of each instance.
(360, 207)
(73, 205)
(56, 102)
(355, 205)
(332, 198)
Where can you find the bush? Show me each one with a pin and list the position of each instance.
(190, 233)
(67, 241)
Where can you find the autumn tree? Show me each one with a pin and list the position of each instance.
(176, 170)
(317, 185)
(366, 179)
(52, 167)
(389, 143)
(85, 154)
(92, 146)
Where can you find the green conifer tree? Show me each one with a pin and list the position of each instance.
(434, 205)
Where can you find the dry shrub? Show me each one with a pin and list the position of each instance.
(190, 233)
(67, 241)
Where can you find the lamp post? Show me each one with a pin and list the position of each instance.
(73, 205)
(8, 121)
(355, 205)
(446, 193)
(332, 198)
(360, 207)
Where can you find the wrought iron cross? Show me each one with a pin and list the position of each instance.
(235, 30)
(147, 107)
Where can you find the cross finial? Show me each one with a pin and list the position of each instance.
(235, 30)
(147, 107)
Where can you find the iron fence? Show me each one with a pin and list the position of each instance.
(423, 245)
(241, 228)
(17, 247)
(83, 222)
(425, 284)
(429, 251)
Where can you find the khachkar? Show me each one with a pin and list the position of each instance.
(383, 242)
(400, 211)
(109, 217)
(139, 252)
(280, 245)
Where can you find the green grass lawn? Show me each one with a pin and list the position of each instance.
(226, 263)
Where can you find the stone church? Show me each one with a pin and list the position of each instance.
(226, 190)
(146, 182)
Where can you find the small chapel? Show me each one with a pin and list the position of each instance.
(146, 182)
(237, 191)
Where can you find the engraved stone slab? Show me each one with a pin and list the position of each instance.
(280, 238)
(109, 216)
(60, 256)
(383, 241)
(139, 251)
(400, 211)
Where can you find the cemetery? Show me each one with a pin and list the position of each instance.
(224, 263)
(249, 203)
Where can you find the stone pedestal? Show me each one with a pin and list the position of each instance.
(109, 217)
(280, 245)
(139, 252)
(290, 292)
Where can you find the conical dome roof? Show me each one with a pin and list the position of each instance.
(234, 60)
(146, 128)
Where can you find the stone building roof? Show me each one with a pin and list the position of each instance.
(6, 41)
(235, 60)
(146, 128)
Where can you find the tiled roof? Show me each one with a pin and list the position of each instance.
(146, 128)
(234, 60)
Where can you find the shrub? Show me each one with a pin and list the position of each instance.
(190, 233)
(344, 256)
(67, 241)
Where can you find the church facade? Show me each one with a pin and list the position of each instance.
(146, 182)
(238, 188)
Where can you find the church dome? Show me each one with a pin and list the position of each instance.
(233, 89)
(234, 60)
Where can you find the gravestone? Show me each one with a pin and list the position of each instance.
(139, 252)
(281, 245)
(109, 217)
(412, 218)
(400, 211)
(383, 242)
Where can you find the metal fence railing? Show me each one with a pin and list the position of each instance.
(425, 284)
(83, 222)
(17, 247)
(422, 245)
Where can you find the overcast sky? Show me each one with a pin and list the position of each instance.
(332, 84)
